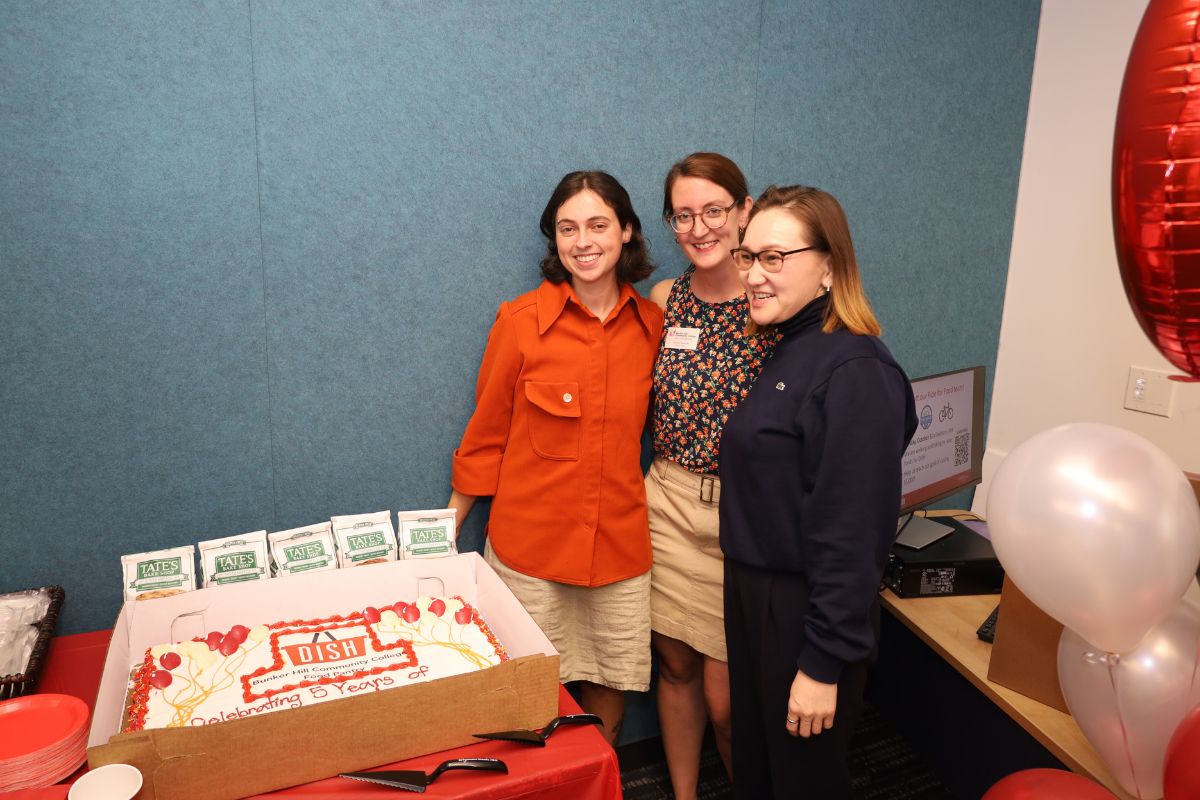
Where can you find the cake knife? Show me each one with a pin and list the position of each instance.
(538, 739)
(416, 781)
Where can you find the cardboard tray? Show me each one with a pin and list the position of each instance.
(238, 758)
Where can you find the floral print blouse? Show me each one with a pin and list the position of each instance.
(695, 390)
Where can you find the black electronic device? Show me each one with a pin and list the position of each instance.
(961, 563)
(987, 631)
(946, 452)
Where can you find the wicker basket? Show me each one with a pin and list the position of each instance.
(24, 682)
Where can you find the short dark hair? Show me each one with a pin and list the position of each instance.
(712, 167)
(634, 264)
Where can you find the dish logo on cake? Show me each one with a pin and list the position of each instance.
(319, 652)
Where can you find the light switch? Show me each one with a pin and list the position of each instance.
(1149, 391)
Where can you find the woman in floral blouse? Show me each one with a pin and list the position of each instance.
(706, 365)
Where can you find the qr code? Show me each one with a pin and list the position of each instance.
(962, 448)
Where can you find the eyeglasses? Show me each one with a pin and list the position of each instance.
(714, 217)
(771, 260)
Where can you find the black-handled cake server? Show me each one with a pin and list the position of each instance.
(416, 781)
(538, 738)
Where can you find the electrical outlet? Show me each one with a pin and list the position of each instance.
(1149, 391)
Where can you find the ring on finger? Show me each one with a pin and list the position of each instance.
(793, 721)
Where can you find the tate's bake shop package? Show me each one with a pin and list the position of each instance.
(301, 550)
(247, 687)
(160, 573)
(364, 538)
(427, 534)
(235, 559)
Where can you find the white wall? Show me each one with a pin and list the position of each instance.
(1068, 336)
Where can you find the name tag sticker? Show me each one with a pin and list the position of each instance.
(682, 338)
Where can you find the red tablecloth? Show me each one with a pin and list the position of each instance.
(576, 764)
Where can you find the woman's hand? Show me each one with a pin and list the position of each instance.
(462, 504)
(811, 705)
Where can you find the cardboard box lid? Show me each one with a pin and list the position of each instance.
(272, 751)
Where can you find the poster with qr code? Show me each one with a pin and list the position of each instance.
(940, 452)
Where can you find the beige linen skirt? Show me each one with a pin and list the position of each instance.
(602, 633)
(687, 580)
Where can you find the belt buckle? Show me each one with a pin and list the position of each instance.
(707, 487)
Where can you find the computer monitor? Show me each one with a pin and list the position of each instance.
(946, 453)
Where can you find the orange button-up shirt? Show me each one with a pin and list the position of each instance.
(560, 405)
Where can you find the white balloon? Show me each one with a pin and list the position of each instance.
(1129, 705)
(1098, 527)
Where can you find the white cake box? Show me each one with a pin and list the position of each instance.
(242, 757)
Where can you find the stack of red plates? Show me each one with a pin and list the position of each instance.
(43, 739)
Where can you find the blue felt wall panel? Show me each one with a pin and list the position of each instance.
(913, 115)
(406, 158)
(133, 405)
(250, 251)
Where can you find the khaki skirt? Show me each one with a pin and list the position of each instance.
(687, 580)
(602, 633)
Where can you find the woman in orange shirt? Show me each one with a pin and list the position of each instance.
(555, 439)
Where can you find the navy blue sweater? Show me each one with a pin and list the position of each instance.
(810, 479)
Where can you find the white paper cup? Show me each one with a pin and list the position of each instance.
(110, 782)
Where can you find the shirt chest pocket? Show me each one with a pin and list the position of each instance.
(554, 410)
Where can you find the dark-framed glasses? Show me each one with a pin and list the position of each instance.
(771, 260)
(713, 216)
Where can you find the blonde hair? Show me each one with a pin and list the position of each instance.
(822, 215)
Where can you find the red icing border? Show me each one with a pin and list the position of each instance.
(138, 705)
(501, 653)
(140, 696)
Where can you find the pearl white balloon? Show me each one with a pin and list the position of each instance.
(1129, 705)
(1098, 527)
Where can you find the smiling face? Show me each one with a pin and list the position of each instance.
(706, 247)
(588, 238)
(777, 296)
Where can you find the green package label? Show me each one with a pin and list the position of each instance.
(303, 552)
(307, 563)
(428, 535)
(146, 586)
(159, 568)
(442, 549)
(368, 554)
(361, 541)
(234, 562)
(159, 573)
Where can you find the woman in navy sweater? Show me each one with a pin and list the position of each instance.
(810, 474)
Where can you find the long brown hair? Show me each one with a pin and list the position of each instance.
(823, 216)
(634, 264)
(712, 167)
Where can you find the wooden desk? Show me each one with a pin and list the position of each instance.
(948, 625)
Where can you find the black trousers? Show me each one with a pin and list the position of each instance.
(764, 621)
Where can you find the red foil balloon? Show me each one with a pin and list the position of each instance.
(1156, 180)
(1047, 784)
(1181, 772)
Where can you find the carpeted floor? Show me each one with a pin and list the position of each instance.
(881, 763)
